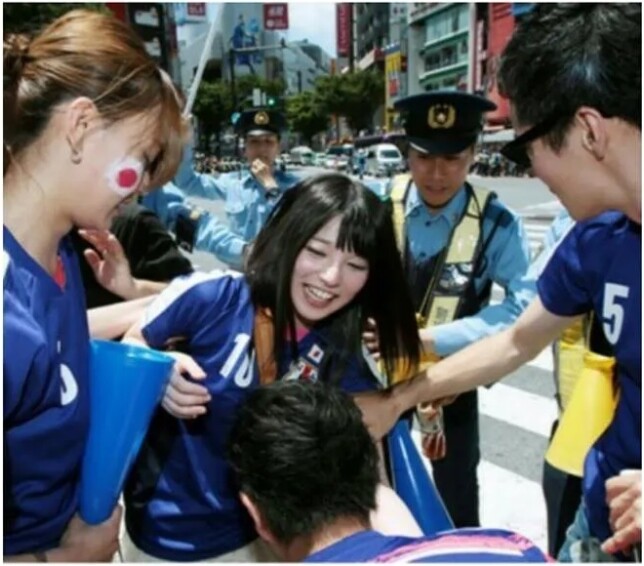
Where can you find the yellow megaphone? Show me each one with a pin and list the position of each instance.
(587, 414)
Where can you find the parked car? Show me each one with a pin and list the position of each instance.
(384, 160)
(338, 157)
(318, 160)
(302, 155)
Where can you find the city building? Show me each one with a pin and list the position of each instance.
(370, 25)
(301, 69)
(395, 62)
(440, 47)
(237, 26)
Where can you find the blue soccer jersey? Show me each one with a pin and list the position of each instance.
(463, 545)
(181, 500)
(598, 268)
(46, 410)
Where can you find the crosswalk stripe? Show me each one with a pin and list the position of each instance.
(512, 502)
(523, 409)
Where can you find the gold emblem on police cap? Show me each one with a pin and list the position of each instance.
(441, 116)
(261, 118)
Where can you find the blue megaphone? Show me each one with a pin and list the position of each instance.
(412, 482)
(125, 386)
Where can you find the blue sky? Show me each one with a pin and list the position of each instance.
(315, 22)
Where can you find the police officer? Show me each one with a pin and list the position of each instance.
(456, 240)
(249, 196)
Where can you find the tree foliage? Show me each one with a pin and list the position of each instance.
(305, 115)
(356, 96)
(213, 107)
(29, 18)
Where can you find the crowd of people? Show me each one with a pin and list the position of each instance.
(345, 311)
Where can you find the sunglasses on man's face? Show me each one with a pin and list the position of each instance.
(517, 149)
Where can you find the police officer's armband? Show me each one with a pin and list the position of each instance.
(186, 228)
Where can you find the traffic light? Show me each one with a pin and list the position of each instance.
(271, 101)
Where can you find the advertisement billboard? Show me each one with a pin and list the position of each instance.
(276, 16)
(246, 34)
(343, 28)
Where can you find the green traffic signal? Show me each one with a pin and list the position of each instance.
(270, 101)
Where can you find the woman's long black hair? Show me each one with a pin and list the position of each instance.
(367, 230)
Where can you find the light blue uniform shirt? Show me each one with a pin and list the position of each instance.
(560, 226)
(247, 206)
(506, 261)
(166, 203)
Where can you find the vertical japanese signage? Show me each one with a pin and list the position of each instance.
(343, 28)
(275, 16)
(148, 21)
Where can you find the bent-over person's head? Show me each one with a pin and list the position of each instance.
(303, 460)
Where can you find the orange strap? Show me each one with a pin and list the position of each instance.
(263, 336)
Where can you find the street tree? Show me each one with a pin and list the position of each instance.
(213, 107)
(329, 93)
(363, 93)
(306, 116)
(356, 96)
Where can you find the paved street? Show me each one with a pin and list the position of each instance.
(516, 414)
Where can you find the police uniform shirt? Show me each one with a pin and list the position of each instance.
(182, 503)
(598, 267)
(247, 206)
(46, 405)
(505, 262)
(464, 545)
(560, 226)
(166, 202)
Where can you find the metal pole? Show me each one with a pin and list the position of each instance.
(233, 92)
(196, 81)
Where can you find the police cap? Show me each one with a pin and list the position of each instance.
(257, 121)
(443, 122)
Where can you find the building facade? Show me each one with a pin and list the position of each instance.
(440, 46)
(304, 62)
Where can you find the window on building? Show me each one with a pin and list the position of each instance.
(463, 16)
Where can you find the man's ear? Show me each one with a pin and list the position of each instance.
(79, 114)
(260, 523)
(594, 131)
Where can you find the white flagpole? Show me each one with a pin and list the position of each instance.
(196, 81)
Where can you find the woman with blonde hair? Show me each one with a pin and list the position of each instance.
(89, 122)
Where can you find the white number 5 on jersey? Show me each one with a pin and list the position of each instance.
(613, 313)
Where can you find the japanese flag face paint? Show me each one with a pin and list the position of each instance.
(124, 176)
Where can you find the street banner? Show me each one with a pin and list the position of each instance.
(343, 28)
(275, 17)
(196, 11)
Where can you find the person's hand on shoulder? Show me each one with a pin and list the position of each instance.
(110, 265)
(624, 500)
